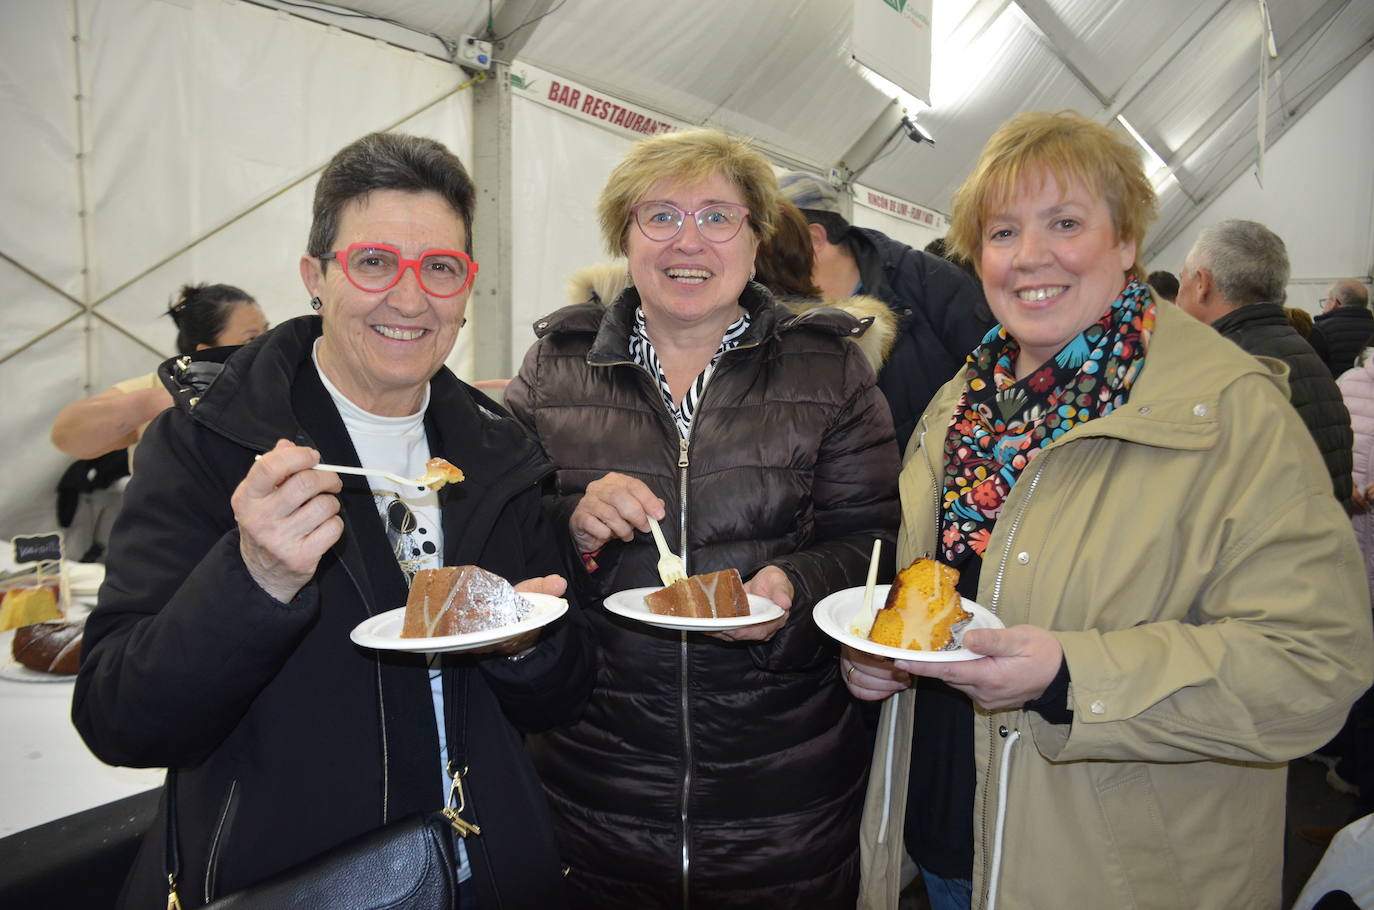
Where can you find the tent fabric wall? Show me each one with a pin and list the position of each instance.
(559, 165)
(1318, 194)
(200, 126)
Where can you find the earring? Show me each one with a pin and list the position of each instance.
(752, 272)
(316, 303)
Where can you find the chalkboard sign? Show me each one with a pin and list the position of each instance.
(38, 548)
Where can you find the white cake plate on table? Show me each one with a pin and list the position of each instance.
(631, 605)
(838, 615)
(383, 631)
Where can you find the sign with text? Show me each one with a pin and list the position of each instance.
(38, 548)
(585, 104)
(892, 38)
(900, 208)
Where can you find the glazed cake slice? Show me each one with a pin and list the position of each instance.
(460, 599)
(716, 595)
(922, 609)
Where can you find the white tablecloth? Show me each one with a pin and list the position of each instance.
(46, 771)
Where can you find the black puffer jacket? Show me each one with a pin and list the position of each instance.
(1340, 335)
(1263, 330)
(706, 773)
(288, 738)
(942, 316)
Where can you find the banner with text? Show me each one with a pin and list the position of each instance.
(899, 208)
(586, 104)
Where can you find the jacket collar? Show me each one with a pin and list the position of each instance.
(1250, 314)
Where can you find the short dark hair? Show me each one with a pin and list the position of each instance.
(1164, 283)
(200, 312)
(836, 228)
(388, 161)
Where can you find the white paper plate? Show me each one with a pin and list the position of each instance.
(383, 631)
(838, 617)
(631, 605)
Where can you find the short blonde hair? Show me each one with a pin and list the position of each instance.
(688, 157)
(1072, 148)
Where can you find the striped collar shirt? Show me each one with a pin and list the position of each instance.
(643, 353)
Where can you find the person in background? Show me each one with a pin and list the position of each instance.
(783, 265)
(940, 247)
(1122, 742)
(1300, 320)
(940, 310)
(1164, 284)
(206, 316)
(1344, 327)
(1233, 279)
(723, 770)
(220, 648)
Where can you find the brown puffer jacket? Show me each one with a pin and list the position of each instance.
(706, 773)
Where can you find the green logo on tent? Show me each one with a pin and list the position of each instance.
(898, 5)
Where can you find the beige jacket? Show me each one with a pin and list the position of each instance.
(1211, 603)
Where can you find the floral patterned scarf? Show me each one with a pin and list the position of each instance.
(1000, 424)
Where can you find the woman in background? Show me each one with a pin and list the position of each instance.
(206, 316)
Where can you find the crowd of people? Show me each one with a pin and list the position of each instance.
(1155, 499)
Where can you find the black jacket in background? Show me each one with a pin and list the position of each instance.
(1263, 329)
(288, 739)
(1340, 335)
(941, 317)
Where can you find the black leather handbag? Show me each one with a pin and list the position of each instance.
(407, 865)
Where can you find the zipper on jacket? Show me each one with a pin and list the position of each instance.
(684, 675)
(226, 817)
(992, 723)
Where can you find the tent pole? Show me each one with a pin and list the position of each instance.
(491, 230)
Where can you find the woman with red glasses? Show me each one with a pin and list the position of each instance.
(725, 769)
(220, 646)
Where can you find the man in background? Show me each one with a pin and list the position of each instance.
(1344, 327)
(1164, 284)
(940, 309)
(1234, 279)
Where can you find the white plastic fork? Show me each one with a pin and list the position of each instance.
(373, 472)
(671, 568)
(368, 472)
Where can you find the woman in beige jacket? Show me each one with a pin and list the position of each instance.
(1143, 509)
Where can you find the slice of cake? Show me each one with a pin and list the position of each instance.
(716, 595)
(26, 605)
(922, 608)
(460, 599)
(439, 473)
(49, 647)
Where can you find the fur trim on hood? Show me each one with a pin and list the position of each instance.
(605, 282)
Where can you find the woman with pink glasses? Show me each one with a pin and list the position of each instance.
(220, 646)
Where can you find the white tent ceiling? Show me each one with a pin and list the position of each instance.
(1185, 74)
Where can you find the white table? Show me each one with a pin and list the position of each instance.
(46, 771)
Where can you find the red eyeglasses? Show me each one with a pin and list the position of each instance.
(377, 267)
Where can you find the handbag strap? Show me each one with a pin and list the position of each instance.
(171, 856)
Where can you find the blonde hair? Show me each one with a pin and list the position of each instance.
(1072, 148)
(687, 157)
